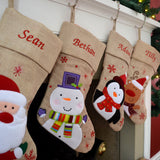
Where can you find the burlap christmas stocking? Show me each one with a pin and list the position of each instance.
(109, 94)
(28, 51)
(63, 112)
(143, 65)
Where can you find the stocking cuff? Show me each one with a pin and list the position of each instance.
(119, 47)
(29, 38)
(79, 43)
(147, 54)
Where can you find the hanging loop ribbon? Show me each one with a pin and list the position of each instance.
(10, 3)
(73, 11)
(140, 27)
(115, 19)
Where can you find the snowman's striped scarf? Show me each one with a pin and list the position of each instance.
(69, 120)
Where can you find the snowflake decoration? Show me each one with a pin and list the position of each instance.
(142, 116)
(85, 76)
(64, 59)
(30, 156)
(121, 122)
(87, 145)
(92, 73)
(144, 71)
(17, 71)
(142, 102)
(92, 134)
(111, 68)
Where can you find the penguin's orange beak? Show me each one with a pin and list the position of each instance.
(67, 99)
(114, 94)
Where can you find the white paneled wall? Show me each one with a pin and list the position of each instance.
(94, 16)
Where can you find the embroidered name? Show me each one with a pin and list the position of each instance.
(84, 46)
(32, 39)
(150, 55)
(124, 49)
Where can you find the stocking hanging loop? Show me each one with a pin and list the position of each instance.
(73, 11)
(140, 27)
(115, 19)
(10, 3)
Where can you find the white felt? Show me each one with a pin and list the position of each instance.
(18, 152)
(73, 106)
(74, 141)
(13, 97)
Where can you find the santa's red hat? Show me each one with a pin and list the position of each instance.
(140, 82)
(9, 92)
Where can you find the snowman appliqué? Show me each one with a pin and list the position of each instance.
(67, 103)
(108, 102)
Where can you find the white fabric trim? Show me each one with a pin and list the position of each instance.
(137, 84)
(13, 97)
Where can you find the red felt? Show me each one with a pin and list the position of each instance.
(6, 117)
(155, 4)
(155, 135)
(8, 84)
(7, 156)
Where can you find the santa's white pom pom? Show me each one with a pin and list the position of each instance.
(18, 152)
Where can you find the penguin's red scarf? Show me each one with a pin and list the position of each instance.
(107, 103)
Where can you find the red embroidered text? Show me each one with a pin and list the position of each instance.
(150, 55)
(84, 46)
(124, 49)
(32, 39)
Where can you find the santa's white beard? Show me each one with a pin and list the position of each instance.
(11, 134)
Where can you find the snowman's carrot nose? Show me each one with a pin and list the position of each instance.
(114, 94)
(67, 99)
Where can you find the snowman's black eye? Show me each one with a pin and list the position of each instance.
(60, 94)
(76, 97)
(114, 87)
(118, 94)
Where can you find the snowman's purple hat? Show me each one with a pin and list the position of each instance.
(70, 80)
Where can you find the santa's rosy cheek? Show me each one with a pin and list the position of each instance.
(56, 101)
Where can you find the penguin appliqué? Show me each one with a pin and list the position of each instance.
(108, 102)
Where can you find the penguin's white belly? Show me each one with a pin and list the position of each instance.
(74, 141)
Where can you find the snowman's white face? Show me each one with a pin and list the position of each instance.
(67, 101)
(115, 92)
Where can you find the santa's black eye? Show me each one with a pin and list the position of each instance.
(60, 94)
(5, 106)
(12, 107)
(76, 97)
